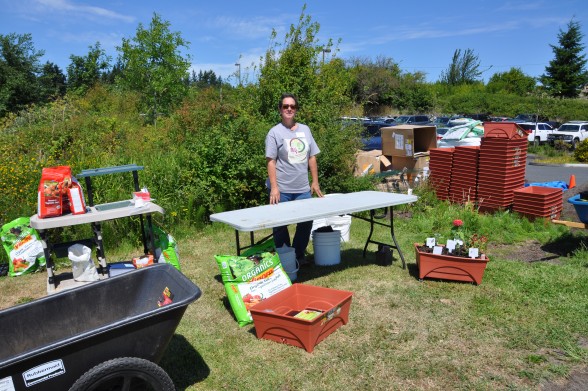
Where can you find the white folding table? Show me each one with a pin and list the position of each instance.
(285, 213)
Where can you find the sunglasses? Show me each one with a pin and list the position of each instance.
(286, 107)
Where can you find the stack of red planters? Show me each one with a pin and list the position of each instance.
(501, 170)
(538, 202)
(440, 166)
(464, 175)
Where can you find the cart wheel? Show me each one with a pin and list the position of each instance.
(125, 374)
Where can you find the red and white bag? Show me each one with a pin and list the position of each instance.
(52, 192)
(75, 197)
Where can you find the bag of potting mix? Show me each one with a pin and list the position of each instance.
(59, 193)
(23, 246)
(251, 279)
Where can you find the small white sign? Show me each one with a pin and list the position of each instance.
(437, 250)
(43, 372)
(408, 149)
(6, 384)
(430, 242)
(398, 141)
(450, 245)
(473, 252)
(458, 242)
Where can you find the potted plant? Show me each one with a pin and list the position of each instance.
(460, 259)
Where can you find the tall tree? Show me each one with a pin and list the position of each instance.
(373, 82)
(19, 66)
(513, 81)
(52, 82)
(206, 79)
(153, 65)
(464, 69)
(566, 73)
(85, 71)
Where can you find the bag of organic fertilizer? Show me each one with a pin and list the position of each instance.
(249, 280)
(22, 244)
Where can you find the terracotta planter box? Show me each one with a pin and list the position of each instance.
(449, 267)
(275, 318)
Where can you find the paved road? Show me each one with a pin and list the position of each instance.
(549, 173)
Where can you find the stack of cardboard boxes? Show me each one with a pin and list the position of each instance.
(403, 147)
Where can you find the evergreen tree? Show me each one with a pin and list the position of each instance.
(464, 69)
(52, 83)
(566, 73)
(85, 71)
(19, 67)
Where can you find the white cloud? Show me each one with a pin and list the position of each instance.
(230, 72)
(65, 6)
(251, 28)
(510, 6)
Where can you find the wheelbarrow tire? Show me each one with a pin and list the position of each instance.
(125, 374)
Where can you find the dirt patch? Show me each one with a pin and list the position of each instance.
(569, 212)
(531, 251)
(576, 381)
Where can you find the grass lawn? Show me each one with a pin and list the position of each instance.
(526, 324)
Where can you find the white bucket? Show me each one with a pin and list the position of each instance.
(327, 248)
(288, 260)
(341, 224)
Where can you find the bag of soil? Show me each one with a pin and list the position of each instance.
(23, 246)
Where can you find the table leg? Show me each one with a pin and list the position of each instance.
(390, 212)
(151, 237)
(396, 246)
(48, 261)
(251, 240)
(99, 248)
(238, 243)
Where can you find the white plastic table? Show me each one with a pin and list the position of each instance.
(285, 213)
(94, 215)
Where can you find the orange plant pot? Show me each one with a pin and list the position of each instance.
(274, 318)
(448, 267)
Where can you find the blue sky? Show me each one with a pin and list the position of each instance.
(419, 35)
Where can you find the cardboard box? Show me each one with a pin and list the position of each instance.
(275, 318)
(408, 140)
(413, 164)
(371, 162)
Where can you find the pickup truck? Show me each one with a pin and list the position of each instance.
(538, 131)
(572, 132)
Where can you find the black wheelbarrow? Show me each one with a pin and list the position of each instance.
(106, 335)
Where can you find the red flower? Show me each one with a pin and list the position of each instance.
(457, 223)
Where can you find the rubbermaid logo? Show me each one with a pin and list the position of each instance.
(43, 372)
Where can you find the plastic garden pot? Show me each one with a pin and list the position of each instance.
(581, 208)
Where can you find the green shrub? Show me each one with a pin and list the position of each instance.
(581, 151)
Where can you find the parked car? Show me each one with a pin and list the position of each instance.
(412, 120)
(439, 121)
(441, 132)
(371, 136)
(538, 131)
(572, 132)
(499, 119)
(479, 117)
(530, 118)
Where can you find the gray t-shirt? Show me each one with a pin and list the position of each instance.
(291, 150)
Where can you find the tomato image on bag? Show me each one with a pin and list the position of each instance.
(249, 280)
(52, 192)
